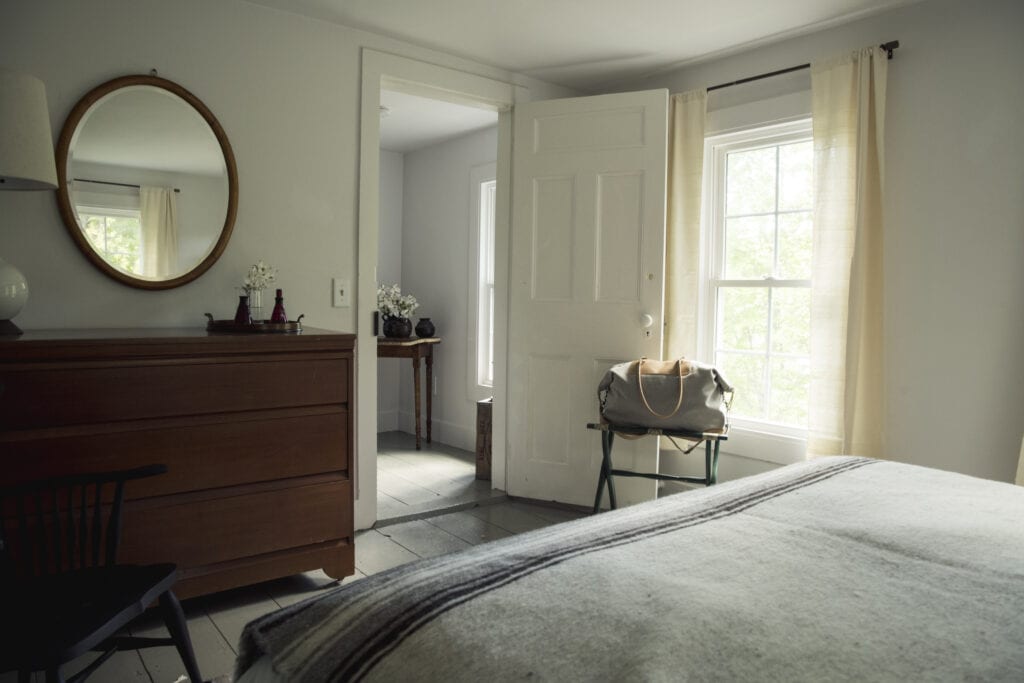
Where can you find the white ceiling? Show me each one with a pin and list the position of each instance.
(412, 122)
(586, 44)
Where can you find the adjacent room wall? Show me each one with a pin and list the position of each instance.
(389, 270)
(954, 219)
(436, 233)
(286, 90)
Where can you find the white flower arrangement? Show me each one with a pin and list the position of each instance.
(259, 276)
(392, 304)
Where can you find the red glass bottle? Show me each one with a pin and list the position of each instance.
(279, 316)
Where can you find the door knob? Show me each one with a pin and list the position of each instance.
(646, 320)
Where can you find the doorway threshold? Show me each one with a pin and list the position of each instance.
(443, 510)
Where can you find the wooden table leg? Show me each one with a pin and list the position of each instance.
(416, 394)
(430, 387)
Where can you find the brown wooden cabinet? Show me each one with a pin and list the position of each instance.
(256, 431)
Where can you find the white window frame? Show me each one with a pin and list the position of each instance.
(481, 289)
(761, 440)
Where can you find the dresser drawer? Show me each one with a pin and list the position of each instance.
(199, 454)
(42, 397)
(195, 533)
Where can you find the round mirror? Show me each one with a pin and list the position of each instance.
(147, 184)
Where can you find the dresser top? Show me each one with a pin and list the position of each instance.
(163, 341)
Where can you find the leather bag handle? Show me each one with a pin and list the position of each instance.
(640, 383)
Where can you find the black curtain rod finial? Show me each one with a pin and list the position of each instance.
(889, 47)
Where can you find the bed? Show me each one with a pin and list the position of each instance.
(834, 569)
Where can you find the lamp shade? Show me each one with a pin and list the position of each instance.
(26, 141)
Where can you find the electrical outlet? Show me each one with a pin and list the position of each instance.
(340, 287)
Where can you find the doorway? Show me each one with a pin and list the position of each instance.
(385, 72)
(435, 243)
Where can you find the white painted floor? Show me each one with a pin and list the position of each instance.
(411, 482)
(216, 621)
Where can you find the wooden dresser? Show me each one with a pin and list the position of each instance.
(256, 431)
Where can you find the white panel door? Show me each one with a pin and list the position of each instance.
(587, 266)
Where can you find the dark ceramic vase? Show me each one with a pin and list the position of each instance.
(242, 316)
(397, 328)
(425, 328)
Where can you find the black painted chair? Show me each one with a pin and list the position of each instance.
(62, 592)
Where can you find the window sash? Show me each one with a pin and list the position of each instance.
(713, 258)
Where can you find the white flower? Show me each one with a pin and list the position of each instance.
(392, 304)
(259, 276)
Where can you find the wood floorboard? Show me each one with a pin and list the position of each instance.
(231, 610)
(424, 539)
(469, 528)
(375, 553)
(508, 516)
(434, 478)
(214, 655)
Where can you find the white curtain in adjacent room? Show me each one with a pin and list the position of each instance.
(687, 112)
(159, 221)
(847, 406)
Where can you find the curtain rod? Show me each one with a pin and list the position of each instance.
(888, 47)
(107, 182)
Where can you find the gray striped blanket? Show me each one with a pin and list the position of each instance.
(835, 569)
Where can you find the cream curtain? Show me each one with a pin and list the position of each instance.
(682, 240)
(159, 212)
(847, 405)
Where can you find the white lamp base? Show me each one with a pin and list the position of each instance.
(13, 295)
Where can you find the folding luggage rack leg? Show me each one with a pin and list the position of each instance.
(711, 441)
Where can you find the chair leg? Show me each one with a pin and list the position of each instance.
(53, 675)
(175, 620)
(24, 676)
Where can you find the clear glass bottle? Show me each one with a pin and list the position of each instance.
(279, 316)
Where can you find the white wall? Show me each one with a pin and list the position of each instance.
(286, 90)
(955, 219)
(389, 270)
(436, 232)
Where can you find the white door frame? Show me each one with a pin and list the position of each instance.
(426, 80)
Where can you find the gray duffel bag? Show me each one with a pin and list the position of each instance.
(681, 395)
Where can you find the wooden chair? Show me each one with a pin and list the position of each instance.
(63, 593)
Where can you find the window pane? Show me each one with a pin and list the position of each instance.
(125, 262)
(795, 246)
(796, 176)
(791, 320)
(746, 374)
(743, 318)
(790, 379)
(750, 182)
(122, 238)
(94, 230)
(749, 247)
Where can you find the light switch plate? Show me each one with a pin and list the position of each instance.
(340, 287)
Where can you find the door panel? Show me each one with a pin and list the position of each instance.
(587, 262)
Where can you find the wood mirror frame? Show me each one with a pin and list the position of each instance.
(67, 210)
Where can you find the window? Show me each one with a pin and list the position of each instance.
(484, 192)
(756, 304)
(116, 234)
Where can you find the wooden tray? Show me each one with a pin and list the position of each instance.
(255, 327)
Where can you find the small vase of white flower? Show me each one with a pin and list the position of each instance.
(258, 278)
(395, 309)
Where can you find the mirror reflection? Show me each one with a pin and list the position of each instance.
(147, 183)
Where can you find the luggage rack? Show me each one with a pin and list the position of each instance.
(711, 440)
